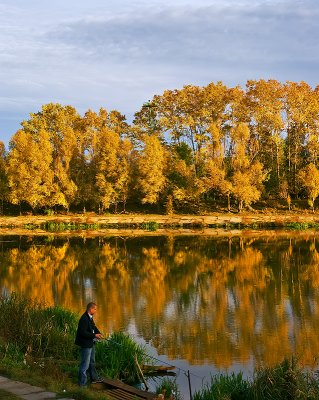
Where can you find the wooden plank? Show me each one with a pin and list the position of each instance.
(127, 388)
(125, 395)
(113, 396)
(119, 394)
(157, 368)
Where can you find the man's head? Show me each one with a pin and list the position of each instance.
(91, 308)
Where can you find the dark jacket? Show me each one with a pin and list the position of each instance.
(86, 331)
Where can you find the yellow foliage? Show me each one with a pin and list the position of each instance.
(151, 170)
(309, 179)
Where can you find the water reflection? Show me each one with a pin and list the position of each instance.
(218, 301)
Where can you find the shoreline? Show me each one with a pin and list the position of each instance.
(215, 224)
(131, 224)
(163, 219)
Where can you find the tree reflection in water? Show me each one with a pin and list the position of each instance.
(207, 300)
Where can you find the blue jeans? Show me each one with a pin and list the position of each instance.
(87, 364)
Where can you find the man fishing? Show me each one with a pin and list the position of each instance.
(86, 336)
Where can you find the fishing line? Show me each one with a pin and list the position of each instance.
(157, 359)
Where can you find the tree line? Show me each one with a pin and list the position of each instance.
(185, 147)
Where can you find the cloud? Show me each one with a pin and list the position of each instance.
(262, 33)
(118, 56)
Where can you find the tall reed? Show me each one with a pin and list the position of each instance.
(116, 357)
(169, 389)
(225, 387)
(286, 381)
(35, 329)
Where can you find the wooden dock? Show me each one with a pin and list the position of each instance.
(117, 390)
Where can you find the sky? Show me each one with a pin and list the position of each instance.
(118, 54)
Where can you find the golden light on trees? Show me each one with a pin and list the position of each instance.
(309, 180)
(188, 146)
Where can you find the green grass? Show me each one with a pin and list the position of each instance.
(286, 381)
(7, 396)
(168, 387)
(301, 226)
(150, 226)
(225, 387)
(53, 226)
(116, 357)
(39, 331)
(49, 376)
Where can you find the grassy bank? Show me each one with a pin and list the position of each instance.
(299, 220)
(286, 381)
(37, 346)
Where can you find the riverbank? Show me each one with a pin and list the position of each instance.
(37, 347)
(154, 222)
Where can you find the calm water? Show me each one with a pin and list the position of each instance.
(205, 304)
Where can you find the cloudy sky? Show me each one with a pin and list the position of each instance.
(118, 53)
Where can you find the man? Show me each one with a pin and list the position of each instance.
(86, 336)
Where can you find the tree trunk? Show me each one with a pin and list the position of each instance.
(228, 202)
(240, 205)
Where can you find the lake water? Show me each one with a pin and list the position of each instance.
(205, 304)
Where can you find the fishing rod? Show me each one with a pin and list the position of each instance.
(187, 373)
(157, 359)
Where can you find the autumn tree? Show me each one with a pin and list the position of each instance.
(309, 179)
(246, 185)
(248, 175)
(83, 168)
(4, 188)
(265, 104)
(182, 182)
(300, 116)
(61, 124)
(215, 172)
(40, 157)
(29, 169)
(106, 158)
(186, 115)
(112, 168)
(151, 166)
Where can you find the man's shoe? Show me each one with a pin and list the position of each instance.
(99, 380)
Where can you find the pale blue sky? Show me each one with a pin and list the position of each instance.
(118, 54)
